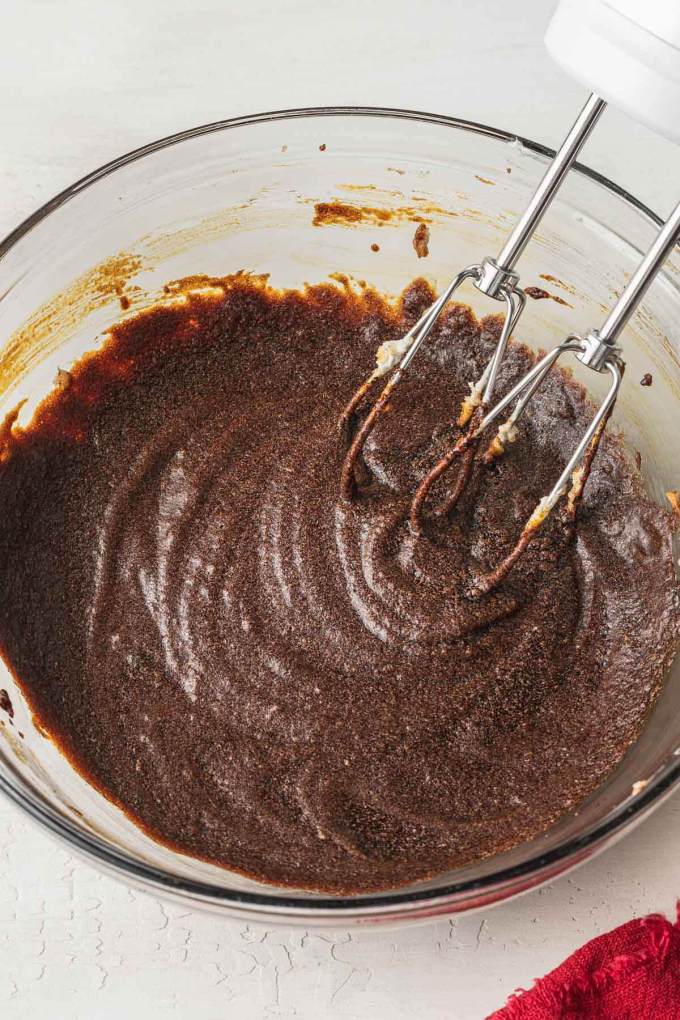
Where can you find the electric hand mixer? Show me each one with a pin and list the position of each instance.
(629, 52)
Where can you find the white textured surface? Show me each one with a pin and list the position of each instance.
(83, 81)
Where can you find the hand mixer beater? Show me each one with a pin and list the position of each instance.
(638, 67)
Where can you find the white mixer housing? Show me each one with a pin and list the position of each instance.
(627, 51)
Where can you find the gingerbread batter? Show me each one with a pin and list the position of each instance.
(268, 676)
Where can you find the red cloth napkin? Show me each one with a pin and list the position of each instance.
(632, 973)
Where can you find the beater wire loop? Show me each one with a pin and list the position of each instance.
(394, 356)
(576, 470)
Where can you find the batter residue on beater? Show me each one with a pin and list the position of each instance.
(270, 677)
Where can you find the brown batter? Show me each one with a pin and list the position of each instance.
(290, 684)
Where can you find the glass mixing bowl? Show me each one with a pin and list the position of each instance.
(242, 194)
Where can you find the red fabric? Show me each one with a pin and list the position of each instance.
(632, 973)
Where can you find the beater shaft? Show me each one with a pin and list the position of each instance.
(494, 277)
(643, 276)
(554, 175)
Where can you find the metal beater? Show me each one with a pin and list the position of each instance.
(629, 52)
(599, 351)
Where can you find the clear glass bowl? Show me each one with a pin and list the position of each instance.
(241, 194)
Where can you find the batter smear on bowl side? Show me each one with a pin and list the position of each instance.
(292, 684)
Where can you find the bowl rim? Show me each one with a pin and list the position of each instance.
(503, 882)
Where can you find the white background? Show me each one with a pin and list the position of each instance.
(81, 82)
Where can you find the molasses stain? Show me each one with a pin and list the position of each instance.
(541, 294)
(421, 240)
(290, 685)
(6, 703)
(345, 214)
